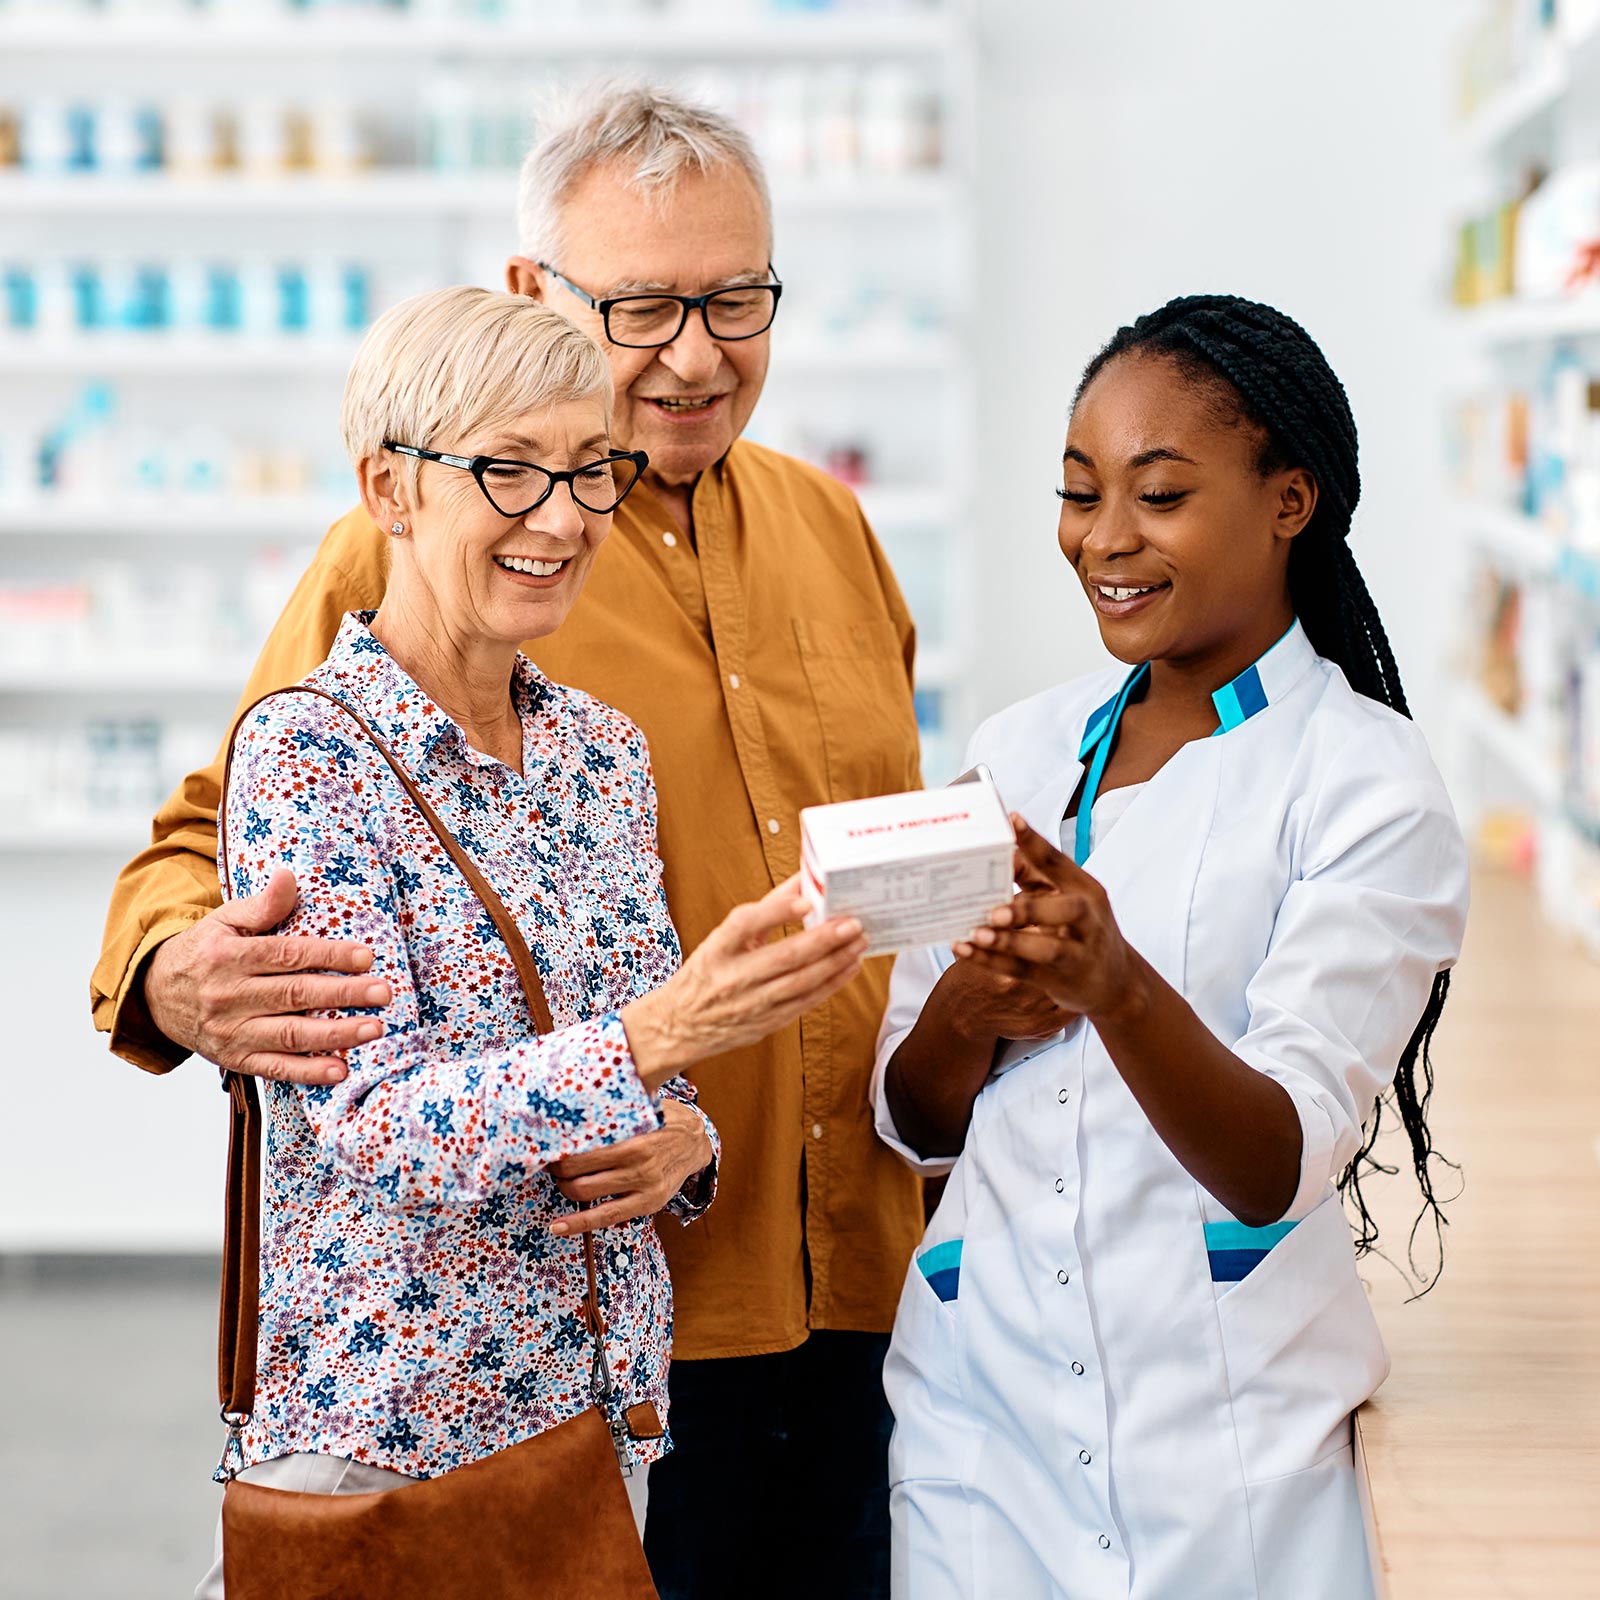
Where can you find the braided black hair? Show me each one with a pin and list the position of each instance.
(1262, 368)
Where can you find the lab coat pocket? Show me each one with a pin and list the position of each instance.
(1302, 1347)
(862, 695)
(933, 1430)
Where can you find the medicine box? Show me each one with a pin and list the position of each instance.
(920, 868)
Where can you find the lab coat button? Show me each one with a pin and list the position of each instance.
(1105, 1543)
(1083, 1456)
(1060, 1185)
(1061, 1276)
(1077, 1367)
(1062, 1096)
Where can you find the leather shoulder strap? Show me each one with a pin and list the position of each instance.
(241, 1248)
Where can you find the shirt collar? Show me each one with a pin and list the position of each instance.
(367, 678)
(1260, 684)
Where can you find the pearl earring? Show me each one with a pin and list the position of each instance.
(397, 528)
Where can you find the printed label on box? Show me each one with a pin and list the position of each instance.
(920, 868)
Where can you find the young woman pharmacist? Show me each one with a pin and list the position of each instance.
(1128, 1349)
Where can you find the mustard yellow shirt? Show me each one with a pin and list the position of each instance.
(769, 663)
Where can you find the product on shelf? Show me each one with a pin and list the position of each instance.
(103, 771)
(258, 297)
(1540, 244)
(92, 455)
(107, 618)
(840, 121)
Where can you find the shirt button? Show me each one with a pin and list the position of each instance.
(1105, 1543)
(772, 824)
(1083, 1456)
(622, 1259)
(669, 539)
(1077, 1367)
(816, 1130)
(1060, 1185)
(1061, 1276)
(1062, 1096)
(733, 680)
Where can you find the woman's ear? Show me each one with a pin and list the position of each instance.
(1297, 500)
(383, 492)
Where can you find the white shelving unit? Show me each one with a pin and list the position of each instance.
(873, 357)
(862, 362)
(1543, 117)
(658, 39)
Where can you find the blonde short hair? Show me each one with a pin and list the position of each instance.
(447, 363)
(656, 134)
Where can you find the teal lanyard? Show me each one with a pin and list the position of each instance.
(1097, 767)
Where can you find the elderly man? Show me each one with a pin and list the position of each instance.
(745, 617)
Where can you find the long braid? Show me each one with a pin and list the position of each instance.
(1264, 369)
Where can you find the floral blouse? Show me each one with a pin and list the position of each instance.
(416, 1312)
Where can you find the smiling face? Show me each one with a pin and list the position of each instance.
(1180, 541)
(686, 402)
(485, 576)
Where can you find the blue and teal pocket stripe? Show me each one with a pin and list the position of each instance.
(941, 1266)
(1236, 1251)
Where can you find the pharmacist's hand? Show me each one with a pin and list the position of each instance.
(638, 1176)
(992, 1006)
(234, 992)
(1058, 935)
(741, 984)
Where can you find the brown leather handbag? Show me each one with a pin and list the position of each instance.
(549, 1516)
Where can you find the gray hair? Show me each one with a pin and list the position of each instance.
(656, 132)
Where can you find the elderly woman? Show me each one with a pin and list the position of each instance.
(422, 1270)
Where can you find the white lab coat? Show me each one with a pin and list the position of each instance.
(1091, 1416)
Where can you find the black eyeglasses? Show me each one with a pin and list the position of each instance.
(647, 321)
(514, 488)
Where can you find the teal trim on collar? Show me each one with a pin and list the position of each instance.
(1101, 721)
(1267, 679)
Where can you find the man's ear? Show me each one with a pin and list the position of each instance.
(525, 276)
(1297, 500)
(383, 492)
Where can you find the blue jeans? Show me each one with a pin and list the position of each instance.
(778, 1482)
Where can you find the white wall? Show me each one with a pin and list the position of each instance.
(1137, 151)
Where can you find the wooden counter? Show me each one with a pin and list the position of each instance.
(1484, 1445)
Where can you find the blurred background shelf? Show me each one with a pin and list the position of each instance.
(384, 192)
(664, 38)
(1511, 746)
(291, 355)
(1510, 321)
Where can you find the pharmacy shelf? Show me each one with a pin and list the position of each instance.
(1504, 738)
(1523, 548)
(675, 35)
(228, 517)
(233, 518)
(405, 194)
(1569, 64)
(1513, 322)
(1515, 544)
(85, 674)
(305, 356)
(89, 835)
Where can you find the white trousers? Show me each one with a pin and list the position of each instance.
(313, 1474)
